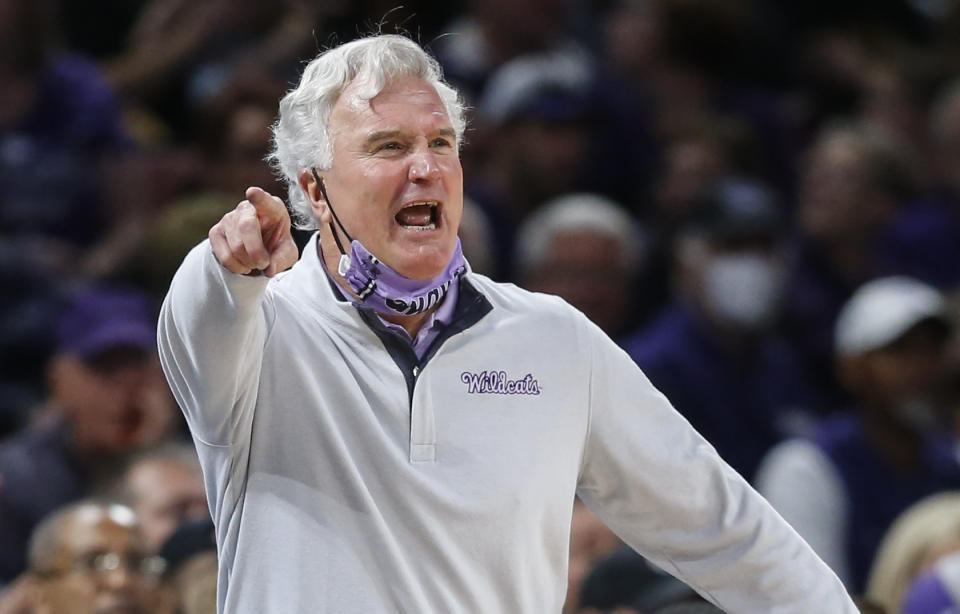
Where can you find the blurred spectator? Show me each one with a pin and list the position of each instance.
(107, 399)
(693, 161)
(625, 581)
(535, 114)
(919, 536)
(191, 568)
(87, 558)
(548, 125)
(842, 488)
(924, 239)
(851, 186)
(713, 351)
(164, 486)
(588, 250)
(937, 590)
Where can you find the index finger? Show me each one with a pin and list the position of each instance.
(270, 209)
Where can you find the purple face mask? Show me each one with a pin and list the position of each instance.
(387, 291)
(381, 287)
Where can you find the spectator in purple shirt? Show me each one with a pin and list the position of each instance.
(712, 350)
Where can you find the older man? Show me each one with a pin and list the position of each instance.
(382, 430)
(88, 558)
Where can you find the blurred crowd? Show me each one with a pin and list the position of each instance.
(760, 201)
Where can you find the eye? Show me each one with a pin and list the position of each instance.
(441, 142)
(389, 146)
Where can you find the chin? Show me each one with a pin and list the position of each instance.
(423, 270)
(424, 264)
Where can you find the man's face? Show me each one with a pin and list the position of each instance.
(838, 199)
(116, 403)
(908, 372)
(586, 269)
(85, 579)
(166, 493)
(396, 181)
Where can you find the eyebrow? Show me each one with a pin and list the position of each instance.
(392, 134)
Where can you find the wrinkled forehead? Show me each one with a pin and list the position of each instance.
(408, 99)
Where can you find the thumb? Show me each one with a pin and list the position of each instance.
(271, 212)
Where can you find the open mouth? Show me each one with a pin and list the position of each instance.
(419, 215)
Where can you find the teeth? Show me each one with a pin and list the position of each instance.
(432, 203)
(430, 226)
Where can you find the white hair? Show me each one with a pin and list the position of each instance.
(579, 212)
(301, 135)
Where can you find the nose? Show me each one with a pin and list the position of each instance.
(423, 166)
(120, 580)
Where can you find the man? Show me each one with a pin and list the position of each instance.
(107, 399)
(393, 433)
(164, 487)
(88, 558)
(713, 351)
(587, 250)
(844, 486)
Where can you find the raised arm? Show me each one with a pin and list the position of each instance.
(664, 490)
(214, 320)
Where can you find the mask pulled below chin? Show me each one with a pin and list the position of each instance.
(387, 291)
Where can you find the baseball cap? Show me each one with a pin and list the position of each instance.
(102, 318)
(737, 208)
(883, 310)
(552, 87)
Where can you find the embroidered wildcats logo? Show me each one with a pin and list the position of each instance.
(496, 382)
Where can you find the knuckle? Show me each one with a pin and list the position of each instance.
(248, 223)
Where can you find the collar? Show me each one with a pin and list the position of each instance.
(439, 317)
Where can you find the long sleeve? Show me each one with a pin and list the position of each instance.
(211, 334)
(664, 490)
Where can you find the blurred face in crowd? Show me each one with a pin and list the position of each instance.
(116, 401)
(737, 283)
(544, 158)
(904, 379)
(165, 492)
(100, 566)
(587, 269)
(839, 198)
(396, 181)
(691, 165)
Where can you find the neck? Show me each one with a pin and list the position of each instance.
(330, 255)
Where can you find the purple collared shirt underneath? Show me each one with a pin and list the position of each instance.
(432, 327)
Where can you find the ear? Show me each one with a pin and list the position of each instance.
(311, 189)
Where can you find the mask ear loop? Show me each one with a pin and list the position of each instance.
(344, 265)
